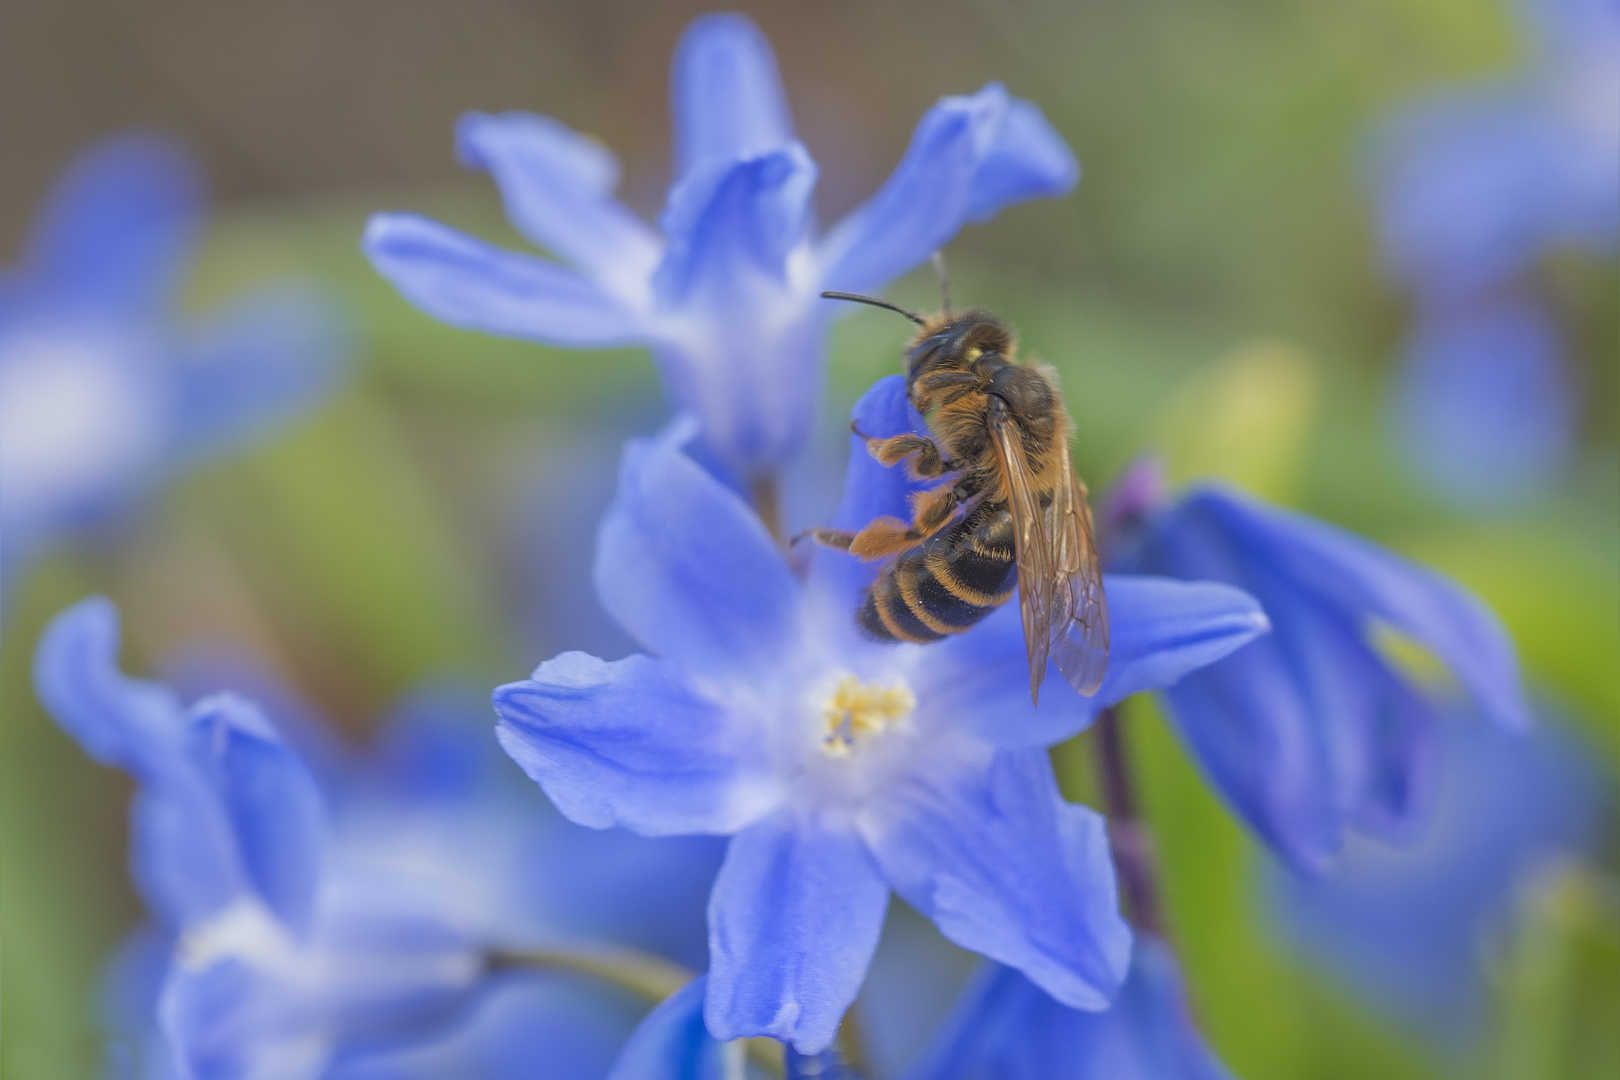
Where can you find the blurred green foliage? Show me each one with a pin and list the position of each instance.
(1213, 274)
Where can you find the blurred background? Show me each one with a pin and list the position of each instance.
(1213, 290)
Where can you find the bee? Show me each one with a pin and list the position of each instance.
(1009, 511)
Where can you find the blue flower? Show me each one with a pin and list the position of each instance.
(727, 296)
(1004, 1027)
(347, 929)
(841, 767)
(1484, 403)
(1474, 186)
(101, 391)
(1475, 183)
(1311, 731)
(1408, 927)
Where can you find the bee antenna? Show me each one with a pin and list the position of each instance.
(938, 259)
(875, 302)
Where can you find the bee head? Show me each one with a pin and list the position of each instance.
(958, 342)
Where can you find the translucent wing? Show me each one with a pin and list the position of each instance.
(1031, 546)
(1078, 620)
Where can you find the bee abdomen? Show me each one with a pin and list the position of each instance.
(942, 588)
(886, 615)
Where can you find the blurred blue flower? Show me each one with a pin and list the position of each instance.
(840, 766)
(1474, 186)
(101, 391)
(1484, 403)
(1311, 731)
(671, 1043)
(727, 296)
(1005, 1028)
(348, 930)
(1001, 1027)
(1475, 183)
(1409, 927)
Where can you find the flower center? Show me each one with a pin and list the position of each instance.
(858, 711)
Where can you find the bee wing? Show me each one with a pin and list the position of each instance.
(1079, 616)
(1031, 546)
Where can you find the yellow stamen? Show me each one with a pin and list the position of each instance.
(860, 710)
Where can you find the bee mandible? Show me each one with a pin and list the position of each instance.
(1009, 510)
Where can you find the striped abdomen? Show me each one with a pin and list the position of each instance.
(946, 585)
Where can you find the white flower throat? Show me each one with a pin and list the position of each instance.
(859, 712)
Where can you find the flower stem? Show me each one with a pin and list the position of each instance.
(643, 974)
(647, 976)
(1128, 837)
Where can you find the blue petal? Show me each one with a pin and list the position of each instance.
(871, 490)
(186, 856)
(270, 800)
(265, 358)
(730, 227)
(969, 157)
(672, 1043)
(1364, 578)
(740, 340)
(991, 852)
(1403, 925)
(469, 283)
(560, 1026)
(1162, 630)
(793, 923)
(129, 723)
(1485, 404)
(727, 97)
(119, 227)
(557, 186)
(688, 569)
(1004, 1026)
(1026, 159)
(229, 1022)
(633, 743)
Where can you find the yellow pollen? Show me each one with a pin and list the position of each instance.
(860, 710)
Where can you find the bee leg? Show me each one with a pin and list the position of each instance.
(926, 461)
(833, 538)
(931, 512)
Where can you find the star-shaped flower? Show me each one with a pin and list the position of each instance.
(102, 391)
(727, 291)
(841, 767)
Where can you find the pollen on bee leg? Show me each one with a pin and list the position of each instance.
(858, 710)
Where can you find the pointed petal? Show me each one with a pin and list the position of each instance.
(468, 283)
(688, 569)
(793, 923)
(633, 743)
(989, 850)
(1162, 630)
(115, 719)
(740, 342)
(120, 225)
(1486, 405)
(1004, 1026)
(254, 365)
(672, 1043)
(731, 226)
(557, 186)
(270, 800)
(969, 157)
(726, 94)
(182, 852)
(1365, 578)
(871, 490)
